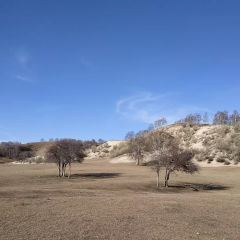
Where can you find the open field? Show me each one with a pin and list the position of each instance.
(117, 201)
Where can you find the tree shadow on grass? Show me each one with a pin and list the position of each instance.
(100, 175)
(184, 187)
(200, 186)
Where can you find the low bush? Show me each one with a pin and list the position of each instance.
(220, 160)
(120, 149)
(227, 162)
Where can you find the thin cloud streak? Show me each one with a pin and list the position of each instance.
(23, 59)
(147, 107)
(23, 78)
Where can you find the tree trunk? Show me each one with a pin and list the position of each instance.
(59, 171)
(69, 174)
(166, 178)
(157, 179)
(138, 162)
(63, 170)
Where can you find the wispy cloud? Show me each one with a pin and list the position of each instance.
(23, 58)
(139, 107)
(24, 69)
(147, 107)
(23, 78)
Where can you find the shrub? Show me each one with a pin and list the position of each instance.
(236, 128)
(209, 159)
(105, 150)
(39, 160)
(220, 160)
(94, 149)
(120, 149)
(226, 162)
(223, 130)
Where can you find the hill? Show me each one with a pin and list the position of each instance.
(214, 145)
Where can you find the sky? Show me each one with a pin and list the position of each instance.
(98, 69)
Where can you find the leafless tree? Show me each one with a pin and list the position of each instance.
(130, 135)
(160, 123)
(178, 161)
(205, 118)
(136, 148)
(221, 118)
(166, 154)
(193, 118)
(150, 127)
(234, 118)
(157, 144)
(63, 153)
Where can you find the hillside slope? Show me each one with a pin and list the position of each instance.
(215, 145)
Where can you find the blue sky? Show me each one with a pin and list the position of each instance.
(97, 69)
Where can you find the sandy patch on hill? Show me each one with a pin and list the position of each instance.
(122, 159)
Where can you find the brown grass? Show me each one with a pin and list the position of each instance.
(117, 201)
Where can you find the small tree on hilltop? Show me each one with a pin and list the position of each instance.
(193, 118)
(234, 118)
(205, 118)
(160, 123)
(129, 135)
(221, 118)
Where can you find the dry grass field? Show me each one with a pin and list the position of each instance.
(117, 201)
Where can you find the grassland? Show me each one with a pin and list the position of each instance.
(117, 201)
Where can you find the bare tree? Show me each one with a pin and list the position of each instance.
(160, 123)
(221, 118)
(63, 153)
(157, 143)
(205, 118)
(130, 135)
(100, 141)
(178, 161)
(193, 118)
(166, 154)
(136, 148)
(150, 127)
(234, 118)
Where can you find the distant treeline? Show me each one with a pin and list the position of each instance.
(20, 152)
(220, 118)
(15, 150)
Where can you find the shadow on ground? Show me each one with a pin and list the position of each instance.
(182, 187)
(95, 175)
(200, 186)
